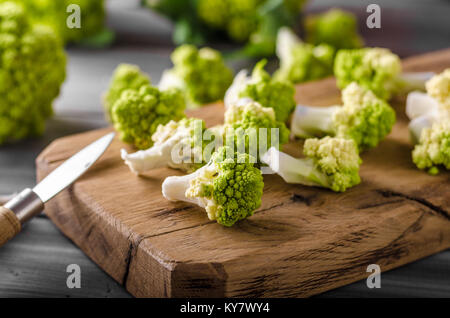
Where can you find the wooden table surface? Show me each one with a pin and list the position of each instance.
(34, 263)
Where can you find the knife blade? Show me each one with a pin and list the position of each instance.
(29, 203)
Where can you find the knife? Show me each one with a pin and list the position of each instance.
(30, 202)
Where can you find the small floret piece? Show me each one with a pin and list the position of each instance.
(201, 73)
(301, 62)
(229, 187)
(138, 113)
(438, 87)
(176, 144)
(125, 76)
(254, 127)
(377, 69)
(363, 117)
(334, 27)
(32, 69)
(330, 163)
(261, 88)
(238, 18)
(433, 149)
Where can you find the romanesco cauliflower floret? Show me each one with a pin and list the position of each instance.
(301, 62)
(433, 149)
(377, 69)
(93, 20)
(260, 87)
(125, 76)
(138, 113)
(364, 118)
(32, 69)
(373, 68)
(54, 13)
(246, 119)
(201, 73)
(238, 18)
(229, 187)
(335, 27)
(178, 145)
(330, 162)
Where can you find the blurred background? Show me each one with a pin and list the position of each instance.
(33, 264)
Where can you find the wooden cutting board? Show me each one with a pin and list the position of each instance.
(302, 241)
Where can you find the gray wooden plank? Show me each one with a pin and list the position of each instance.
(34, 264)
(429, 277)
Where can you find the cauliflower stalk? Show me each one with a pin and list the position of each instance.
(254, 127)
(229, 187)
(334, 27)
(363, 117)
(32, 69)
(125, 76)
(178, 145)
(261, 88)
(330, 163)
(301, 62)
(200, 73)
(377, 69)
(137, 113)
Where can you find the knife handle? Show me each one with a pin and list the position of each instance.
(9, 225)
(16, 212)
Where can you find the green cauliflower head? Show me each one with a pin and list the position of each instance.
(377, 69)
(433, 149)
(248, 118)
(307, 63)
(54, 13)
(32, 69)
(364, 118)
(261, 88)
(138, 113)
(125, 76)
(335, 27)
(336, 159)
(237, 18)
(93, 20)
(299, 61)
(204, 73)
(230, 187)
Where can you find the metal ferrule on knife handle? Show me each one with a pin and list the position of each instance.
(16, 212)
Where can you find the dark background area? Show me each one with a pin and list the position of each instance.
(34, 263)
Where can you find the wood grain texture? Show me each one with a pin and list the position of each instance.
(9, 225)
(302, 241)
